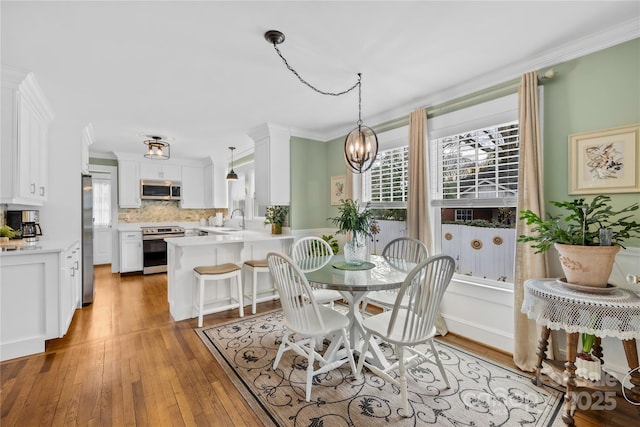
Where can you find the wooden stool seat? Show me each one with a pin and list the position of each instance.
(206, 273)
(256, 266)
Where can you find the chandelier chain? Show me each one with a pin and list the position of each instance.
(357, 84)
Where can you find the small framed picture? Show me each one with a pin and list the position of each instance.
(337, 189)
(605, 161)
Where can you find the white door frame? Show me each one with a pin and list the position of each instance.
(105, 171)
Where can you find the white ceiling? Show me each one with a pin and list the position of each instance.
(202, 74)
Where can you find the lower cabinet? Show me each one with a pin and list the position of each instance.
(130, 251)
(70, 285)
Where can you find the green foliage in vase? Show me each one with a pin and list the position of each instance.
(276, 215)
(352, 219)
(582, 225)
(333, 242)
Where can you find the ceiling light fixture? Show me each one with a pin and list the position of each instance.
(157, 148)
(361, 144)
(232, 176)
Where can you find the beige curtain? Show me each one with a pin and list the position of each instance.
(418, 221)
(530, 196)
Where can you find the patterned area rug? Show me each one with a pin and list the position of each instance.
(482, 393)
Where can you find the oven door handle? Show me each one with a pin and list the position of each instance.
(161, 236)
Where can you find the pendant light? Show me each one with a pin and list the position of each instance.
(232, 176)
(157, 148)
(361, 144)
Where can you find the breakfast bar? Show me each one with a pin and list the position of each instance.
(185, 253)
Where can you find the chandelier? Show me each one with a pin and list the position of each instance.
(157, 148)
(361, 144)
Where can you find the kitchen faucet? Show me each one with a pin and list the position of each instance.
(241, 213)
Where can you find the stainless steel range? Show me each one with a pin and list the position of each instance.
(154, 248)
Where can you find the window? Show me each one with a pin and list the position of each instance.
(474, 156)
(388, 178)
(464, 214)
(102, 201)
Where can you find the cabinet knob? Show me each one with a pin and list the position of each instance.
(33, 188)
(42, 191)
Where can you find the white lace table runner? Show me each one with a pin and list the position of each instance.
(550, 304)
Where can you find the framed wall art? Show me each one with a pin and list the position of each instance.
(605, 161)
(337, 189)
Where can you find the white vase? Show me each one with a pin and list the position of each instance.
(589, 369)
(355, 252)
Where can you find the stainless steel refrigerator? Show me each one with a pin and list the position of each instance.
(87, 241)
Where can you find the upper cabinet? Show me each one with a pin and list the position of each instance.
(87, 140)
(195, 177)
(159, 170)
(26, 116)
(128, 183)
(272, 169)
(197, 186)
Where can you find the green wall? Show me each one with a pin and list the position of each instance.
(596, 91)
(309, 183)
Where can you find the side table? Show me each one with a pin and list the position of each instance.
(614, 313)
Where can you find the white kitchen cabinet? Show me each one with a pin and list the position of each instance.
(128, 183)
(272, 169)
(29, 302)
(159, 170)
(70, 285)
(130, 251)
(197, 187)
(88, 138)
(26, 116)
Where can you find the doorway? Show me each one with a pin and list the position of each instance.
(104, 212)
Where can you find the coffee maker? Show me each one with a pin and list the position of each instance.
(26, 222)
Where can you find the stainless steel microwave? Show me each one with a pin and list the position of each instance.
(159, 190)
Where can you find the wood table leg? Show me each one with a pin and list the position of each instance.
(570, 378)
(597, 349)
(542, 353)
(631, 351)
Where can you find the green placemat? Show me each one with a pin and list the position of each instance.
(344, 266)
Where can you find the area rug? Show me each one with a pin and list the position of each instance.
(482, 392)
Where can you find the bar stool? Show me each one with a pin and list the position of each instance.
(218, 272)
(256, 266)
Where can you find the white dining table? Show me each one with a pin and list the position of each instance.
(354, 284)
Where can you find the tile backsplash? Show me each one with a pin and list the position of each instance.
(161, 211)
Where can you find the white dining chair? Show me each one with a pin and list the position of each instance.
(308, 321)
(312, 247)
(407, 326)
(403, 248)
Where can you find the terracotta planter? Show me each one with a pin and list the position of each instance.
(276, 228)
(587, 265)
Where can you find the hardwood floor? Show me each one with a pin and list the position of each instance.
(125, 362)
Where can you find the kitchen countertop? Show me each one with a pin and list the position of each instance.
(40, 247)
(229, 237)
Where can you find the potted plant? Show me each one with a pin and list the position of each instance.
(276, 216)
(7, 233)
(356, 224)
(587, 365)
(587, 238)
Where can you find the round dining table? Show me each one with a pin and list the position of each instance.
(354, 282)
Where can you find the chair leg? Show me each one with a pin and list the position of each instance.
(439, 363)
(281, 350)
(240, 295)
(310, 360)
(200, 301)
(254, 285)
(363, 353)
(403, 382)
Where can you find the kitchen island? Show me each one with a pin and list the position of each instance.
(219, 247)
